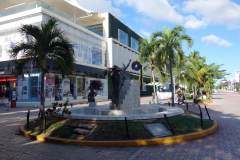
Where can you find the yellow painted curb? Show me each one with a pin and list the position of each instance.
(205, 102)
(122, 143)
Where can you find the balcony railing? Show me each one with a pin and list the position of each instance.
(52, 9)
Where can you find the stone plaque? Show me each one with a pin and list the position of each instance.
(158, 130)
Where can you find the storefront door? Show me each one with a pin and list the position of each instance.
(7, 85)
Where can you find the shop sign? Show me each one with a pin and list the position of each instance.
(49, 87)
(5, 100)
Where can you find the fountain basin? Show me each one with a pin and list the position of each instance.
(145, 111)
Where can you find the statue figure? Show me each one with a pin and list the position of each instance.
(94, 85)
(118, 77)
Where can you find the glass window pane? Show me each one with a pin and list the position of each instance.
(81, 86)
(134, 44)
(123, 37)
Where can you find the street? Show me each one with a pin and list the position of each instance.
(223, 144)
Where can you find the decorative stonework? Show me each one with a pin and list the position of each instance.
(129, 96)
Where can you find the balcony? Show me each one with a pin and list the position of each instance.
(38, 4)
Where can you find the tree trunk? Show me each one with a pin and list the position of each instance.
(170, 67)
(42, 100)
(193, 92)
(154, 88)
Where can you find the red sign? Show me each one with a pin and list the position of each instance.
(8, 79)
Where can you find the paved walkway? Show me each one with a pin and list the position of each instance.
(223, 144)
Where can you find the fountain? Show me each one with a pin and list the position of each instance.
(125, 101)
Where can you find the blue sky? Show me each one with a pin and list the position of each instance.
(213, 24)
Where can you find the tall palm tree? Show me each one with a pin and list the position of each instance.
(150, 58)
(170, 44)
(212, 73)
(195, 69)
(45, 42)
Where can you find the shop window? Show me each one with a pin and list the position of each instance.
(73, 87)
(58, 87)
(134, 44)
(123, 37)
(101, 76)
(66, 87)
(95, 75)
(90, 74)
(50, 84)
(81, 86)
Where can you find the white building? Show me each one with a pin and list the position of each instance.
(237, 75)
(95, 46)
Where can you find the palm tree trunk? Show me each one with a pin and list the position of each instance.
(154, 88)
(170, 67)
(193, 91)
(43, 100)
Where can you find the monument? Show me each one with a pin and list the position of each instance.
(125, 100)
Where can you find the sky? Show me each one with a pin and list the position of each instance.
(214, 25)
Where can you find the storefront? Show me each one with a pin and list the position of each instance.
(90, 58)
(7, 85)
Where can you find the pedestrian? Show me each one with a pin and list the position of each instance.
(195, 100)
(182, 97)
(179, 95)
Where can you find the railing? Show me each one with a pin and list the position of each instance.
(52, 9)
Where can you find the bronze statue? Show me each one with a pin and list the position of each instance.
(118, 77)
(94, 85)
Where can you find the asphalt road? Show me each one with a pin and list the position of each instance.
(223, 144)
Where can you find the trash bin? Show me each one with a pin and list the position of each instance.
(13, 104)
(13, 99)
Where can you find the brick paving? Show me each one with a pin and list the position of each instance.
(223, 144)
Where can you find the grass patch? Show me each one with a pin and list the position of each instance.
(115, 130)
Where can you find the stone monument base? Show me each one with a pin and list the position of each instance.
(92, 104)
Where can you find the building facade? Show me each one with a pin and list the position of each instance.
(98, 45)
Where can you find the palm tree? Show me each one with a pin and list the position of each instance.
(195, 69)
(45, 42)
(212, 73)
(150, 58)
(170, 44)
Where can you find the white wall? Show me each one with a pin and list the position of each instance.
(237, 75)
(9, 34)
(119, 54)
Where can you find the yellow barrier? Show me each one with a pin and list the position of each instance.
(153, 141)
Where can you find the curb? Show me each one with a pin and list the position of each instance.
(204, 102)
(153, 141)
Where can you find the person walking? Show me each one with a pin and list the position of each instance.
(182, 97)
(179, 95)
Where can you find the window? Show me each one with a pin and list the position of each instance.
(134, 44)
(122, 37)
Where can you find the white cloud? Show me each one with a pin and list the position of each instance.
(233, 26)
(144, 33)
(216, 41)
(159, 10)
(192, 22)
(147, 21)
(223, 12)
(100, 6)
